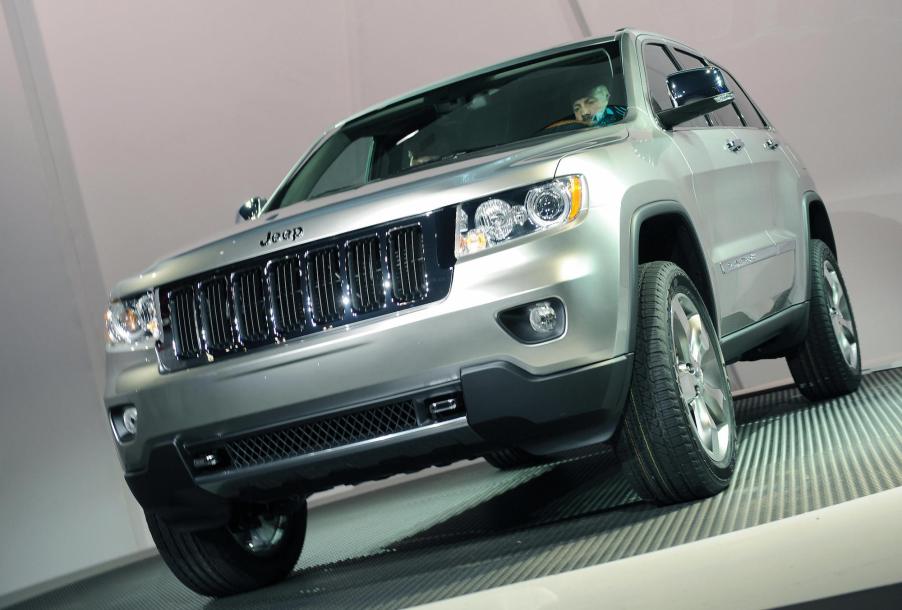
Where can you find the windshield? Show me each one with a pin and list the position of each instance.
(564, 93)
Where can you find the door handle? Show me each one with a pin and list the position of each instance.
(735, 145)
(771, 144)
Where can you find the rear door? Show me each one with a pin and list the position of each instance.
(780, 209)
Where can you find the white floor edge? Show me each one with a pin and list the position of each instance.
(839, 549)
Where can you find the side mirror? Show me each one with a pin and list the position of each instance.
(695, 92)
(250, 209)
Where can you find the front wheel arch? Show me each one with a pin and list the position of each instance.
(684, 250)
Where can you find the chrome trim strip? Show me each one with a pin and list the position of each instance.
(756, 256)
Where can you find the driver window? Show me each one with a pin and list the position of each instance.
(726, 116)
(687, 62)
(658, 66)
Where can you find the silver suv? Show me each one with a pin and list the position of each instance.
(530, 260)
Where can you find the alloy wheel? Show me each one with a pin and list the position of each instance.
(840, 316)
(263, 535)
(702, 379)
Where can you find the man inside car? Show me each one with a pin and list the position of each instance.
(591, 110)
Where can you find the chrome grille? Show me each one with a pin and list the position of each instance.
(305, 289)
(311, 437)
(365, 275)
(215, 309)
(286, 295)
(185, 341)
(324, 276)
(408, 263)
(250, 306)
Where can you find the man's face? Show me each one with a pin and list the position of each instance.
(585, 107)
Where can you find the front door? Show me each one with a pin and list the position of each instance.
(752, 252)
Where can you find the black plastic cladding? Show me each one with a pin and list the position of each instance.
(269, 319)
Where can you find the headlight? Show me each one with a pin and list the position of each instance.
(132, 321)
(517, 213)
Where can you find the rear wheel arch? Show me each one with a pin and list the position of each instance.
(663, 230)
(819, 226)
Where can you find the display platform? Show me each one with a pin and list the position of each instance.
(474, 528)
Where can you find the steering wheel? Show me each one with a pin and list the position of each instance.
(562, 126)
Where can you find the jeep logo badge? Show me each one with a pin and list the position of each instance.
(286, 235)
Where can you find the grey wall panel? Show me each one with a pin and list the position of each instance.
(63, 505)
(177, 112)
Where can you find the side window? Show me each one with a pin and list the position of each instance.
(726, 116)
(749, 114)
(658, 66)
(349, 170)
(688, 62)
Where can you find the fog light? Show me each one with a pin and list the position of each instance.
(130, 420)
(125, 422)
(535, 322)
(542, 317)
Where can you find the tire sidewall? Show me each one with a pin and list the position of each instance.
(821, 252)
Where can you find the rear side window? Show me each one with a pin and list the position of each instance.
(751, 116)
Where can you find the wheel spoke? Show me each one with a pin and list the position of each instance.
(836, 291)
(714, 399)
(682, 332)
(703, 423)
(698, 343)
(852, 358)
(680, 315)
(715, 441)
(846, 324)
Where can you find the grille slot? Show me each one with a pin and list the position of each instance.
(286, 295)
(215, 308)
(365, 275)
(324, 276)
(250, 306)
(408, 263)
(182, 313)
(311, 437)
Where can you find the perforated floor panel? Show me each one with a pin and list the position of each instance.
(474, 528)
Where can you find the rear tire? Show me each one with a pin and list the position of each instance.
(219, 562)
(677, 440)
(828, 362)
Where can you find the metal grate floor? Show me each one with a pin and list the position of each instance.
(475, 528)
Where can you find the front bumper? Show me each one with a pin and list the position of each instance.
(455, 343)
(504, 406)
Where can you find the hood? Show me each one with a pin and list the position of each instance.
(375, 203)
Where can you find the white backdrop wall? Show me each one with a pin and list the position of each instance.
(136, 128)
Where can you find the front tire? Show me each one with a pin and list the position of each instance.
(677, 440)
(828, 362)
(232, 559)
